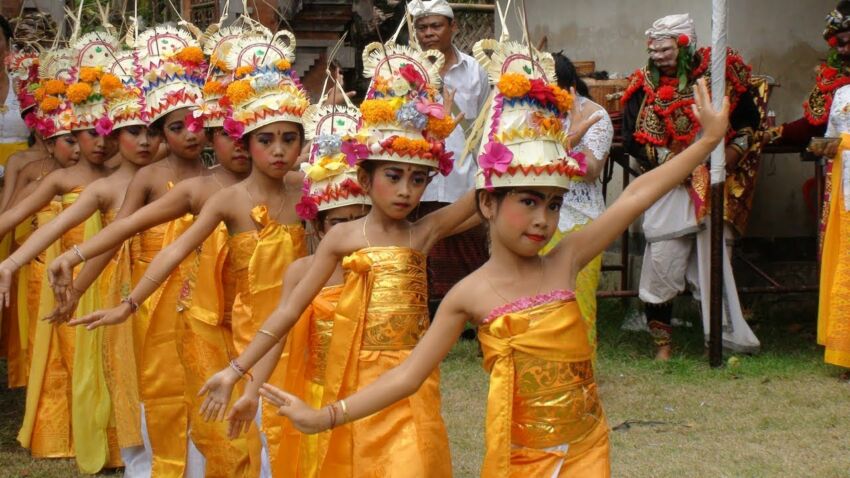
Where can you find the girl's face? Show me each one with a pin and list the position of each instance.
(339, 215)
(395, 188)
(92, 146)
(525, 219)
(274, 148)
(65, 149)
(230, 153)
(138, 144)
(182, 143)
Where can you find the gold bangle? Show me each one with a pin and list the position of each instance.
(345, 418)
(79, 254)
(13, 261)
(270, 334)
(157, 282)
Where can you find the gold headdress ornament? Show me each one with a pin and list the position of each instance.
(218, 42)
(125, 102)
(524, 143)
(403, 119)
(23, 72)
(330, 180)
(93, 54)
(172, 69)
(54, 116)
(266, 88)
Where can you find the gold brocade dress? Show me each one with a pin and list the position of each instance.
(17, 332)
(46, 427)
(834, 305)
(162, 381)
(544, 417)
(305, 377)
(257, 263)
(206, 346)
(381, 315)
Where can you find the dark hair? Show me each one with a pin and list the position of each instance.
(843, 7)
(568, 75)
(498, 193)
(159, 124)
(7, 30)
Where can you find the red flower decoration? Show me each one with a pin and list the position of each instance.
(412, 75)
(828, 72)
(666, 93)
(833, 41)
(352, 186)
(103, 126)
(683, 40)
(31, 120)
(541, 92)
(233, 128)
(354, 152)
(445, 163)
(45, 128)
(194, 123)
(307, 208)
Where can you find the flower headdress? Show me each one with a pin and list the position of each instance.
(93, 53)
(54, 115)
(836, 22)
(330, 179)
(172, 70)
(266, 88)
(217, 46)
(524, 143)
(125, 102)
(403, 119)
(23, 71)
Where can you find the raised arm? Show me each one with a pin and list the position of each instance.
(582, 246)
(87, 204)
(448, 220)
(163, 264)
(400, 382)
(14, 166)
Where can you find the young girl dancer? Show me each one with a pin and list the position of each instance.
(382, 311)
(543, 412)
(265, 234)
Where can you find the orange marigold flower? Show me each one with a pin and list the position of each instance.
(79, 92)
(49, 103)
(110, 84)
(514, 85)
(39, 93)
(377, 111)
(441, 128)
(410, 147)
(54, 87)
(90, 74)
(213, 87)
(239, 91)
(190, 54)
(283, 64)
(244, 70)
(563, 98)
(218, 62)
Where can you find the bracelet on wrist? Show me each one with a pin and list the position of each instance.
(134, 306)
(78, 253)
(240, 371)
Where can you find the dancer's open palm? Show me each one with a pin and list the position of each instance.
(303, 417)
(113, 316)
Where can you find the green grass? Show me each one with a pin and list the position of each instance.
(779, 413)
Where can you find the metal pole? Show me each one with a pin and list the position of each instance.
(718, 180)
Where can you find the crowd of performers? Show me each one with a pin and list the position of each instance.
(151, 301)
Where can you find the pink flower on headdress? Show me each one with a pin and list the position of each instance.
(445, 163)
(31, 120)
(496, 157)
(194, 123)
(307, 208)
(233, 128)
(354, 152)
(430, 108)
(581, 159)
(412, 75)
(103, 126)
(45, 128)
(540, 91)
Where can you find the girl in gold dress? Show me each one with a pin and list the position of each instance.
(543, 412)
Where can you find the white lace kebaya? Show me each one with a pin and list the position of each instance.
(583, 202)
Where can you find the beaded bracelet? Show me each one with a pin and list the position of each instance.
(332, 415)
(345, 417)
(241, 371)
(134, 306)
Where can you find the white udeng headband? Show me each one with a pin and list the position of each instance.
(423, 8)
(672, 26)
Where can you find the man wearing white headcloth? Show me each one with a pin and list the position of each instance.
(657, 124)
(456, 256)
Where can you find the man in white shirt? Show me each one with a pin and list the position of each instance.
(455, 257)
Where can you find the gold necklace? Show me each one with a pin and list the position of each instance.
(280, 206)
(505, 299)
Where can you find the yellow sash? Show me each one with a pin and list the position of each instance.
(203, 275)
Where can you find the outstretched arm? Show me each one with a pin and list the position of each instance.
(447, 221)
(582, 246)
(46, 190)
(87, 204)
(130, 221)
(400, 382)
(14, 166)
(163, 264)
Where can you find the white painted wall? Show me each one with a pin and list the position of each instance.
(781, 38)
